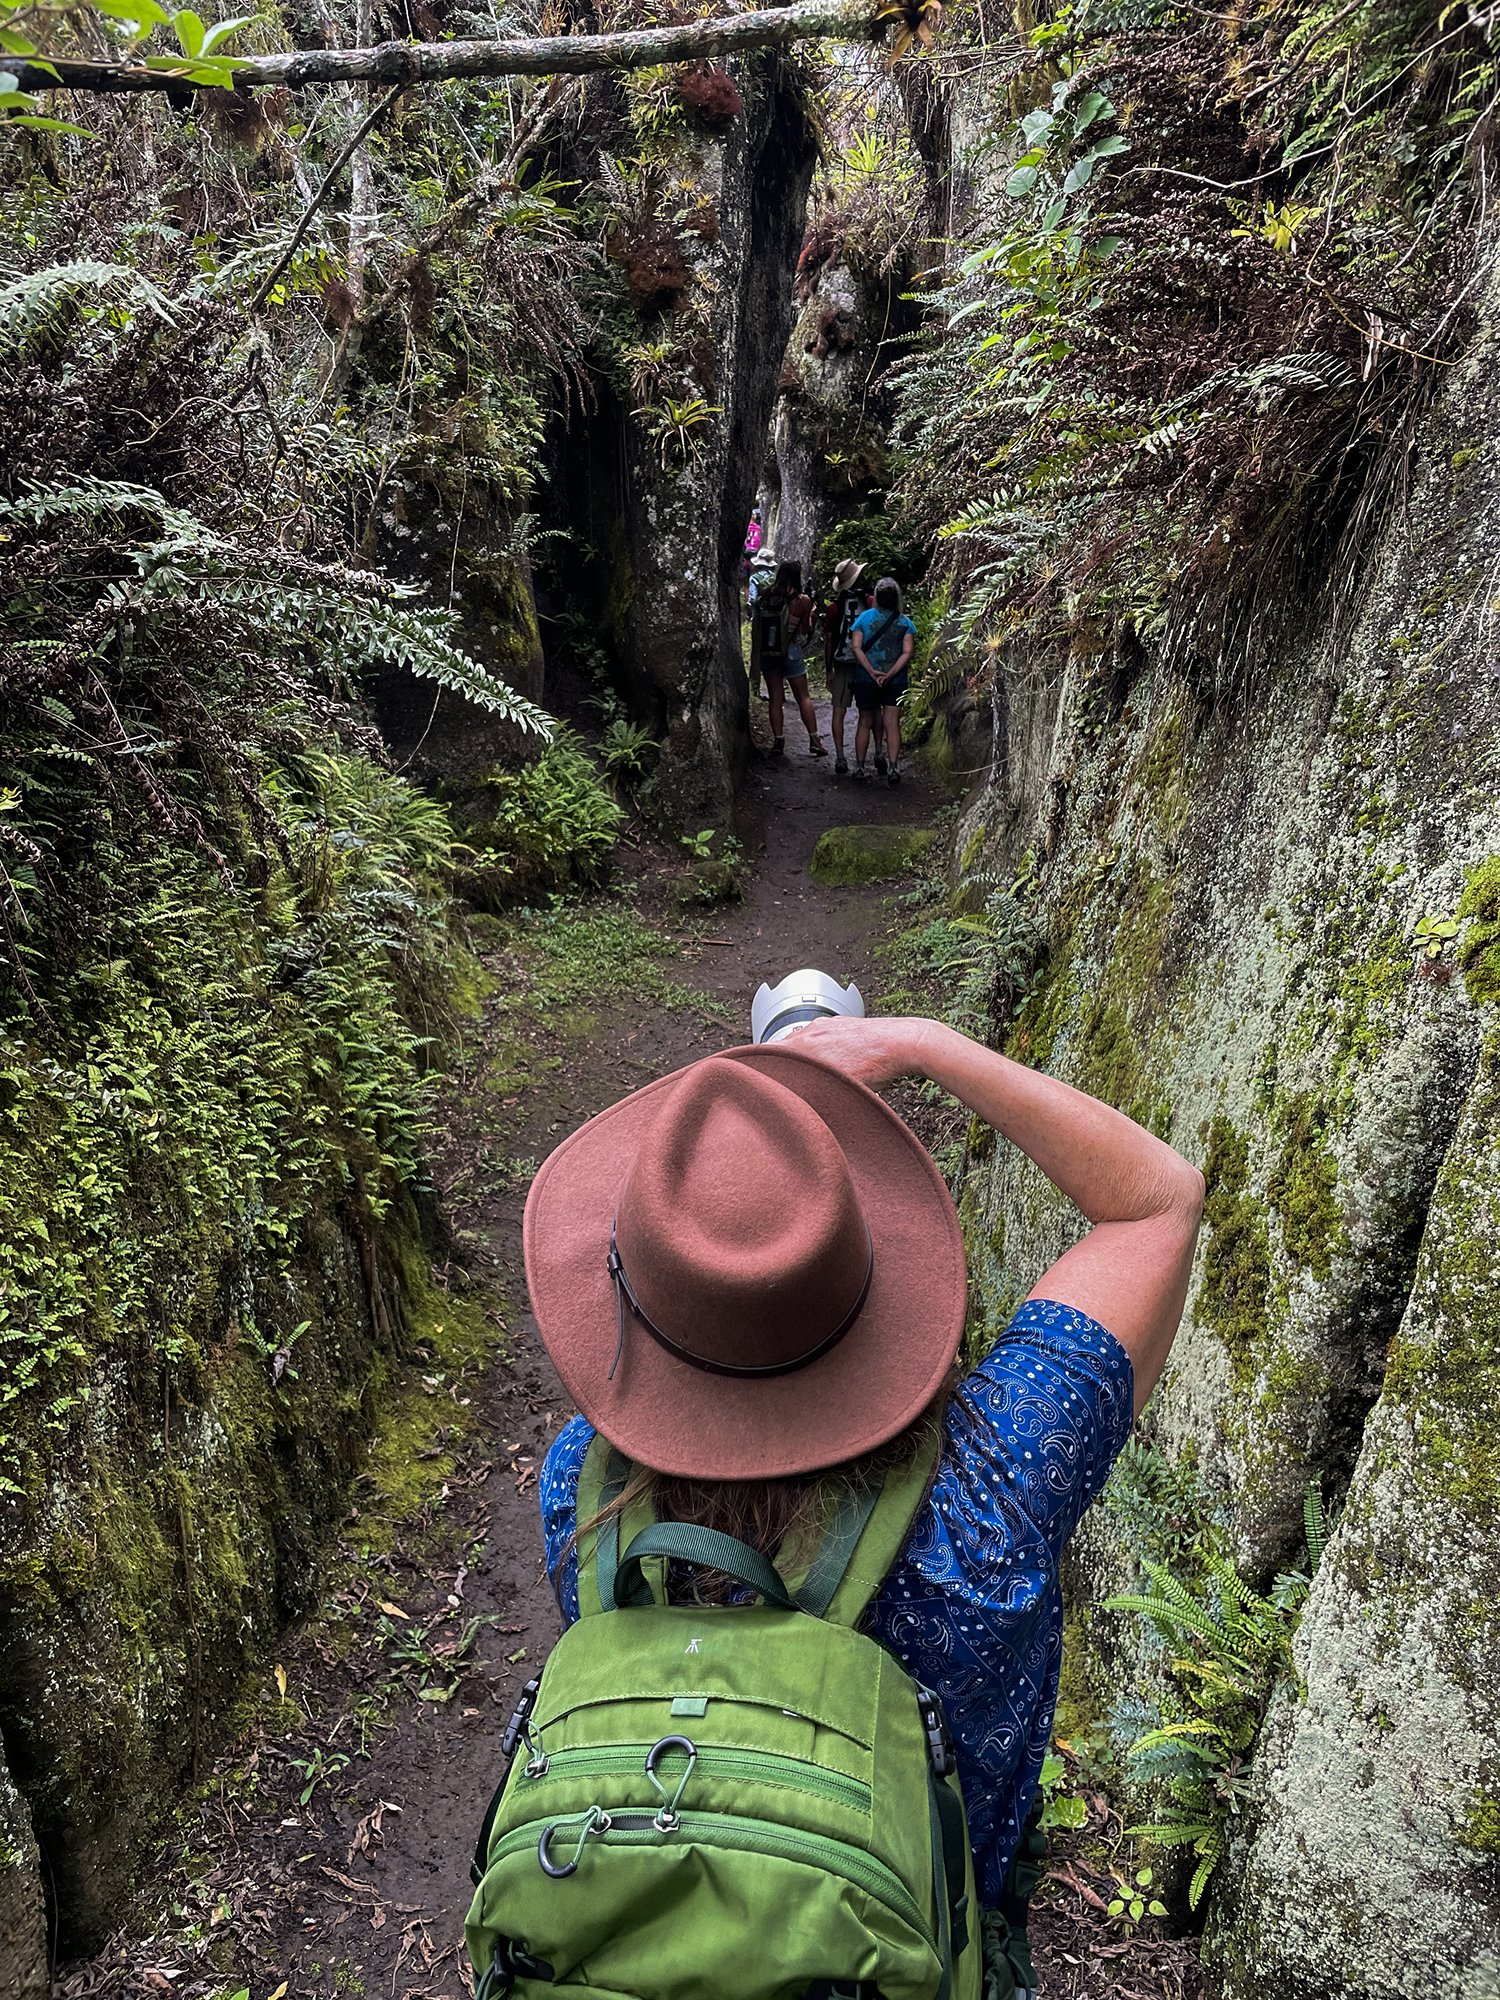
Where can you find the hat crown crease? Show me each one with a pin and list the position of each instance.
(739, 1222)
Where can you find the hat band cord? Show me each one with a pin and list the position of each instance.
(625, 1295)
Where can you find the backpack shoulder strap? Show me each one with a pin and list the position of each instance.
(860, 1544)
(844, 1568)
(600, 1483)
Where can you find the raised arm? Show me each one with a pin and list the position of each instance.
(1130, 1272)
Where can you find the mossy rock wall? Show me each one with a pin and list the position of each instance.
(175, 1533)
(1378, 1842)
(467, 550)
(1250, 885)
(829, 443)
(23, 1918)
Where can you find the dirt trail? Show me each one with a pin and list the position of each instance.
(300, 1873)
(442, 1772)
(361, 1886)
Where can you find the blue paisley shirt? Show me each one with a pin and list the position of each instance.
(972, 1606)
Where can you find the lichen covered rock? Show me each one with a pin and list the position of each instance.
(1378, 1843)
(23, 1919)
(1271, 905)
(657, 491)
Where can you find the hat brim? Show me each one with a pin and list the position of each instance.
(677, 1419)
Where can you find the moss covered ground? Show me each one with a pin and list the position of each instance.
(850, 856)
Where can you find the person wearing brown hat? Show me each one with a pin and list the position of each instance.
(751, 1272)
(846, 604)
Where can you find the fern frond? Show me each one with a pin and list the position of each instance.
(36, 302)
(1175, 1617)
(1314, 1524)
(1173, 1833)
(1212, 1852)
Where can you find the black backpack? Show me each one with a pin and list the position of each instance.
(770, 615)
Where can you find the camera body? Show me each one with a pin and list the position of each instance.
(808, 995)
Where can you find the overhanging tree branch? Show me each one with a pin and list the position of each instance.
(406, 63)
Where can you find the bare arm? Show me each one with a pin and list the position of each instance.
(1130, 1272)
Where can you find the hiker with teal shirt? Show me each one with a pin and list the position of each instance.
(751, 1278)
(883, 641)
(845, 605)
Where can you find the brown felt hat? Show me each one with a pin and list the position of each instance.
(748, 1269)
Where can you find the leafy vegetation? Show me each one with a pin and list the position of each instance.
(1223, 264)
(543, 827)
(1226, 1646)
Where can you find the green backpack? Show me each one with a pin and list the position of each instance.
(743, 1802)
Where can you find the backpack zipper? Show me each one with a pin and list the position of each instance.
(631, 1827)
(621, 1760)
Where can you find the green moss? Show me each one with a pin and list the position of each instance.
(1479, 954)
(1301, 1190)
(1480, 1830)
(1360, 974)
(1033, 1037)
(413, 1451)
(1160, 774)
(847, 856)
(1291, 1385)
(1444, 1368)
(230, 1068)
(1109, 1056)
(1233, 1294)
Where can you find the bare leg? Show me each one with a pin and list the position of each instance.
(893, 735)
(861, 736)
(776, 692)
(805, 708)
(837, 730)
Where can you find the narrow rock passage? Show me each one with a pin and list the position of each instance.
(329, 1855)
(330, 1852)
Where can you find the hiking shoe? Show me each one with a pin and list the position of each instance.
(778, 746)
(880, 762)
(859, 774)
(893, 777)
(816, 747)
(840, 767)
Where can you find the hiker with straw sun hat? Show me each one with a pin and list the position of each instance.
(808, 1564)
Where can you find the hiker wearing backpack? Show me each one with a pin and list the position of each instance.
(883, 641)
(780, 627)
(808, 1566)
(847, 603)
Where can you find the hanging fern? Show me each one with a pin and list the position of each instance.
(38, 303)
(364, 620)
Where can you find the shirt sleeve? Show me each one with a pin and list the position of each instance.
(1047, 1412)
(557, 1491)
